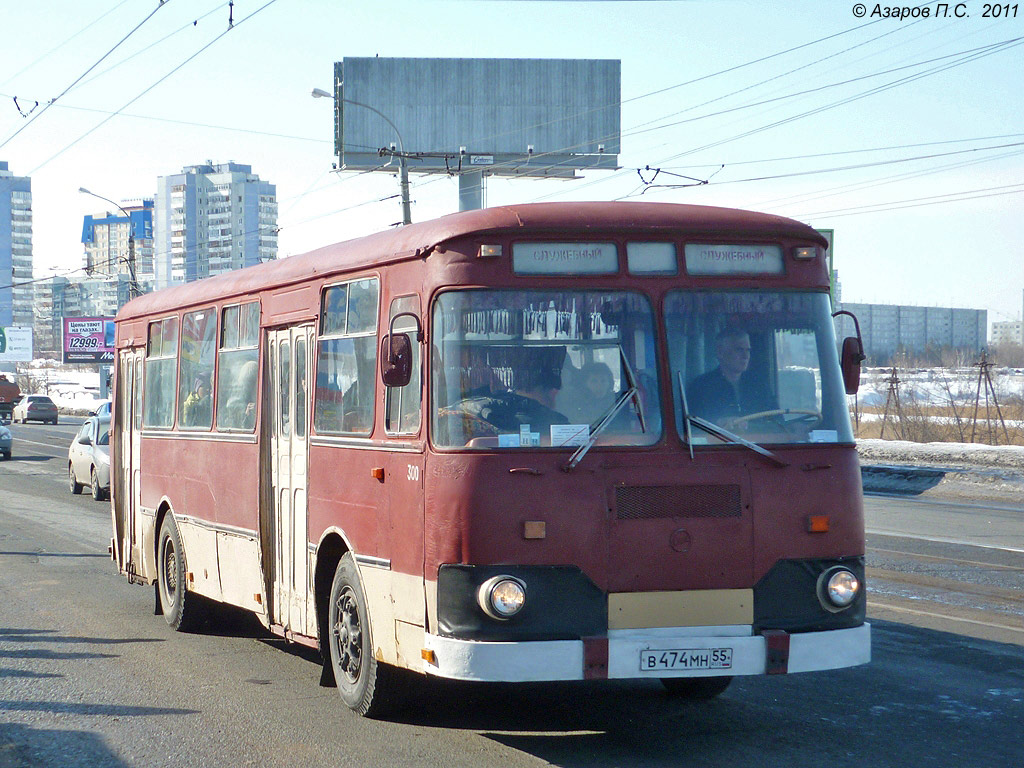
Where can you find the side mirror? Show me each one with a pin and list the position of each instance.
(396, 359)
(853, 354)
(85, 440)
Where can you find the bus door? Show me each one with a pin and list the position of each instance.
(127, 424)
(289, 359)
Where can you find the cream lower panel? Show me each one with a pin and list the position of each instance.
(241, 571)
(392, 600)
(563, 659)
(201, 573)
(144, 550)
(691, 608)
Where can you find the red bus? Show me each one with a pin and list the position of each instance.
(536, 442)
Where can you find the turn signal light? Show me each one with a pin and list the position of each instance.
(817, 523)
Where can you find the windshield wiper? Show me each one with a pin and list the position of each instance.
(718, 431)
(631, 393)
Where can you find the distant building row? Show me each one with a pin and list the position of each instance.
(208, 219)
(890, 329)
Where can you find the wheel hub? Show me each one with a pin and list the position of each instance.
(348, 635)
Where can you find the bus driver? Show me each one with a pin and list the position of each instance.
(728, 391)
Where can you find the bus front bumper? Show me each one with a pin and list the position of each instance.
(638, 654)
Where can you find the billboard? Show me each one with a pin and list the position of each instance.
(88, 339)
(512, 117)
(15, 344)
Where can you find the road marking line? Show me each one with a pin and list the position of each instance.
(898, 609)
(947, 559)
(941, 540)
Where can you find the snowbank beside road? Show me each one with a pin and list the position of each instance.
(952, 471)
(941, 454)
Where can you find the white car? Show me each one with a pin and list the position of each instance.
(89, 458)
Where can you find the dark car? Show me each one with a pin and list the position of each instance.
(35, 408)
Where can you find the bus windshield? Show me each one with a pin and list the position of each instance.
(543, 369)
(760, 365)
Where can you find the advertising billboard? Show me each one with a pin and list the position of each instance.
(15, 344)
(88, 339)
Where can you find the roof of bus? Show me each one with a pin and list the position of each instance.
(420, 238)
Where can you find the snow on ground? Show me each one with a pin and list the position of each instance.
(937, 387)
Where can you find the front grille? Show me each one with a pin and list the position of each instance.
(648, 502)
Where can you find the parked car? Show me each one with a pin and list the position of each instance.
(35, 408)
(102, 410)
(89, 458)
(6, 442)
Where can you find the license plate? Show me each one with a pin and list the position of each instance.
(685, 659)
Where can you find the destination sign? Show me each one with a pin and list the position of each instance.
(565, 258)
(707, 259)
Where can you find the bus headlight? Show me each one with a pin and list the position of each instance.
(838, 587)
(502, 597)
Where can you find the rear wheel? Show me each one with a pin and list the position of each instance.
(362, 682)
(696, 688)
(73, 484)
(180, 607)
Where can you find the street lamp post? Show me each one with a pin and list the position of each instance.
(133, 285)
(403, 168)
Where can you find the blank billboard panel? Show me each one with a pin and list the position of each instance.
(505, 116)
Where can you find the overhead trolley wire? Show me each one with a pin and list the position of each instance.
(54, 100)
(103, 122)
(56, 48)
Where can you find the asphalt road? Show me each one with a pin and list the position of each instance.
(90, 677)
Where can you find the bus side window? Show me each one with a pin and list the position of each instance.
(402, 404)
(346, 369)
(237, 367)
(161, 372)
(198, 347)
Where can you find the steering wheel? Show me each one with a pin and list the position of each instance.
(805, 414)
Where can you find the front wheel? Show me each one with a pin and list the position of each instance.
(696, 688)
(362, 682)
(73, 484)
(180, 607)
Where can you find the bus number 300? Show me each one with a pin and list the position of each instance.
(414, 473)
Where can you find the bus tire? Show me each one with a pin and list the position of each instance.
(362, 682)
(696, 688)
(180, 607)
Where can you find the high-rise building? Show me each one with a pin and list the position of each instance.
(888, 329)
(107, 238)
(1008, 332)
(16, 289)
(211, 219)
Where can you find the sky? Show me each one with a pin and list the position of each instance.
(904, 136)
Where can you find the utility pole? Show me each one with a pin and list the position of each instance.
(403, 166)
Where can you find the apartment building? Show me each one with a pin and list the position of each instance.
(212, 218)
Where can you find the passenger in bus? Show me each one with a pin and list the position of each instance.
(729, 391)
(198, 404)
(241, 406)
(594, 396)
